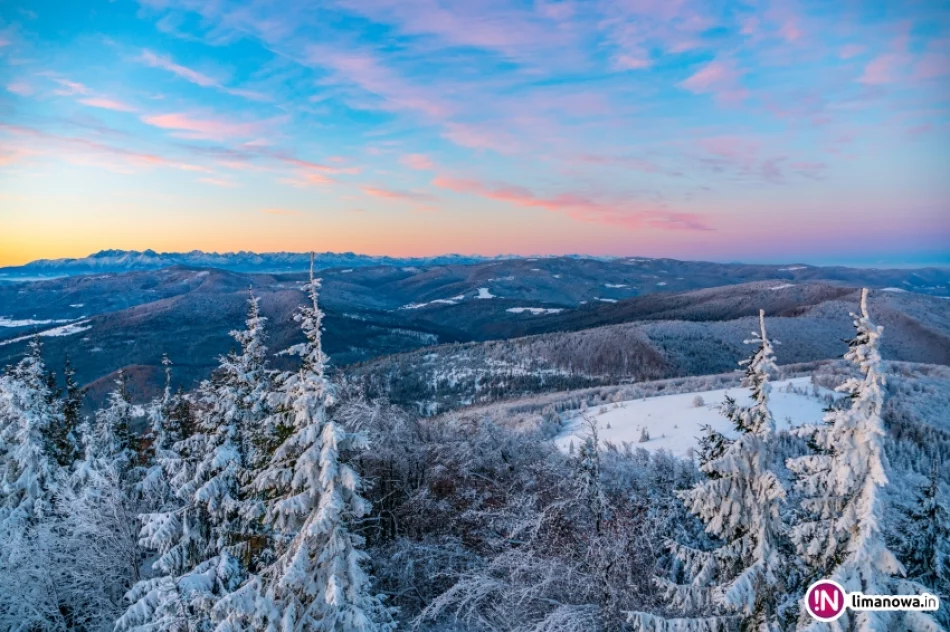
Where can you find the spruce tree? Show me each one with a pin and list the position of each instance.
(317, 581)
(924, 540)
(741, 584)
(841, 538)
(29, 473)
(206, 546)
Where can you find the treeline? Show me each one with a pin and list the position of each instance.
(284, 501)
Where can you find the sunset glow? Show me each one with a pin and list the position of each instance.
(782, 131)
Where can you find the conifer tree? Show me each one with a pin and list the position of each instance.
(924, 540)
(29, 473)
(206, 545)
(741, 584)
(317, 581)
(841, 538)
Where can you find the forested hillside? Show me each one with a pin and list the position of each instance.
(280, 499)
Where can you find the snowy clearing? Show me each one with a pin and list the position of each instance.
(439, 301)
(604, 300)
(616, 285)
(893, 289)
(8, 322)
(793, 268)
(673, 422)
(535, 310)
(662, 283)
(78, 305)
(484, 293)
(782, 286)
(65, 330)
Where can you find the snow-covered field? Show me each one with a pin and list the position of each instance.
(66, 330)
(535, 310)
(673, 421)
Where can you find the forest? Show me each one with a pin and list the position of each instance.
(301, 500)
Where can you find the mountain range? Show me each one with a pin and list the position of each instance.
(455, 331)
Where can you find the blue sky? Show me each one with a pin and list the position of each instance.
(757, 131)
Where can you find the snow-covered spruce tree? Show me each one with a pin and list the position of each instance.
(588, 479)
(924, 541)
(29, 473)
(317, 582)
(113, 442)
(30, 479)
(205, 542)
(841, 538)
(739, 585)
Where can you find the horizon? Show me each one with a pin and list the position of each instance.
(695, 130)
(879, 265)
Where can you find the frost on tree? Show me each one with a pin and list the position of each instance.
(842, 483)
(205, 543)
(317, 581)
(29, 472)
(741, 583)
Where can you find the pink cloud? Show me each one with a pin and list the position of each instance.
(932, 65)
(790, 31)
(85, 151)
(394, 194)
(851, 50)
(69, 88)
(107, 104)
(576, 206)
(480, 137)
(367, 73)
(419, 162)
(186, 126)
(883, 69)
(20, 88)
(200, 79)
(718, 78)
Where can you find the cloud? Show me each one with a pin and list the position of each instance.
(69, 88)
(719, 78)
(419, 162)
(200, 79)
(29, 141)
(577, 206)
(107, 104)
(397, 194)
(883, 69)
(366, 72)
(20, 88)
(188, 126)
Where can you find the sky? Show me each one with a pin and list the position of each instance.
(772, 131)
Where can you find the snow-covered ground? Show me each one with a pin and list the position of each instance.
(28, 322)
(535, 310)
(65, 330)
(673, 421)
(782, 286)
(484, 293)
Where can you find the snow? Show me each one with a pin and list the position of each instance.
(348, 270)
(616, 285)
(78, 305)
(893, 289)
(535, 310)
(439, 301)
(793, 268)
(662, 283)
(557, 276)
(65, 330)
(28, 322)
(674, 423)
(202, 274)
(536, 269)
(605, 300)
(484, 293)
(782, 286)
